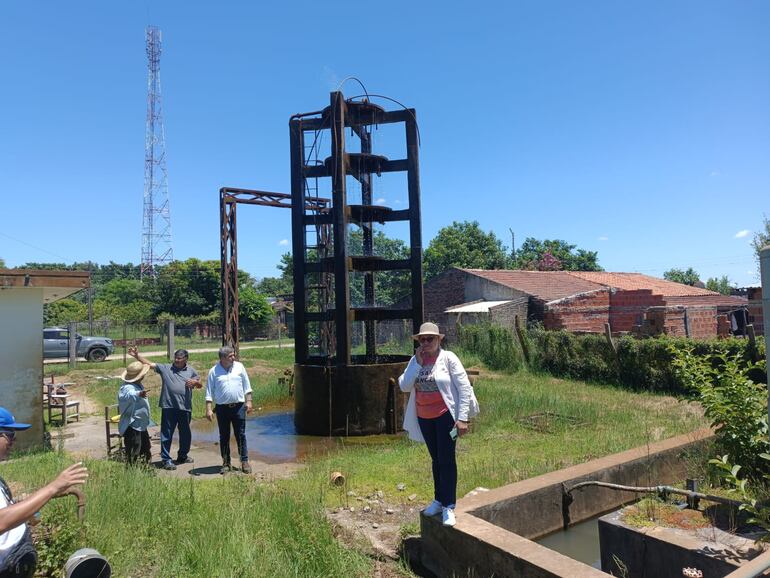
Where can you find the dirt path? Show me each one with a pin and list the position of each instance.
(164, 352)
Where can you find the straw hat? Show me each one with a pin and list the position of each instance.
(135, 371)
(428, 329)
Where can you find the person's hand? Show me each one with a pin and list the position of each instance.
(191, 383)
(133, 352)
(248, 406)
(74, 475)
(143, 393)
(462, 427)
(209, 414)
(418, 354)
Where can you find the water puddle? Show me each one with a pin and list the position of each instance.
(270, 437)
(580, 542)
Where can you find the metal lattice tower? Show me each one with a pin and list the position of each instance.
(156, 225)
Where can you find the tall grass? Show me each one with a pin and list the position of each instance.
(156, 526)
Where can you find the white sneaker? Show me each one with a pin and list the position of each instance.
(448, 517)
(433, 509)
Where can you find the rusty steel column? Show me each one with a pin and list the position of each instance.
(229, 270)
(370, 327)
(339, 230)
(415, 234)
(297, 144)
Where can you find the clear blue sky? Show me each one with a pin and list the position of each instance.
(639, 129)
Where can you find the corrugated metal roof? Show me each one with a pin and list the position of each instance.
(544, 285)
(475, 307)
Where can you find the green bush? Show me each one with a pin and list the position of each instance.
(495, 346)
(736, 405)
(641, 364)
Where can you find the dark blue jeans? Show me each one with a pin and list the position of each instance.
(169, 420)
(232, 414)
(442, 454)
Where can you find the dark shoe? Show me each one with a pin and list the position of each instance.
(225, 468)
(187, 460)
(169, 465)
(246, 467)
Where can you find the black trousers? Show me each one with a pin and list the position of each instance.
(442, 454)
(137, 444)
(232, 415)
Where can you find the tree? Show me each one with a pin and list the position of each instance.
(720, 285)
(554, 255)
(2, 263)
(689, 277)
(463, 244)
(761, 238)
(389, 286)
(253, 307)
(64, 311)
(282, 285)
(189, 288)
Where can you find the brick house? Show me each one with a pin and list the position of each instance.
(576, 301)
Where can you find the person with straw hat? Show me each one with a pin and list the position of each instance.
(441, 402)
(134, 413)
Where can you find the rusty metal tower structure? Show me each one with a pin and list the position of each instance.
(340, 390)
(156, 213)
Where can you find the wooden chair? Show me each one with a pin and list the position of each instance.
(68, 409)
(111, 418)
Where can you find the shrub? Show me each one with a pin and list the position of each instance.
(495, 346)
(736, 405)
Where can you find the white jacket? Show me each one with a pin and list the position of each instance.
(452, 382)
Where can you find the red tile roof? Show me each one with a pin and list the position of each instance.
(633, 281)
(544, 285)
(552, 285)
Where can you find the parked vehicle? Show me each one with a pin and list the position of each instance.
(56, 344)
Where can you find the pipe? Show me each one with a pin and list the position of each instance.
(658, 490)
(753, 568)
(78, 493)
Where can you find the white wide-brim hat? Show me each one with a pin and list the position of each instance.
(428, 329)
(135, 371)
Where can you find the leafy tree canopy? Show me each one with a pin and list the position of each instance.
(719, 284)
(463, 244)
(688, 277)
(761, 238)
(282, 285)
(554, 255)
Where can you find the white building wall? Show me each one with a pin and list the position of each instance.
(21, 360)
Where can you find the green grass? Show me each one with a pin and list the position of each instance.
(152, 526)
(502, 449)
(155, 526)
(266, 390)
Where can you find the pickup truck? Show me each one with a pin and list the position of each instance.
(56, 344)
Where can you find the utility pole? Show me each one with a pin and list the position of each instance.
(156, 218)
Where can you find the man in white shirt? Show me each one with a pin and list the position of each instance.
(229, 389)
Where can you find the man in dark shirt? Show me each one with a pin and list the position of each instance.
(178, 380)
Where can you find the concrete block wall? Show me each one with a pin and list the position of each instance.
(586, 312)
(505, 314)
(672, 321)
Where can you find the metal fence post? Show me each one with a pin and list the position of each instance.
(72, 345)
(170, 340)
(764, 268)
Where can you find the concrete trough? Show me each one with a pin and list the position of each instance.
(495, 530)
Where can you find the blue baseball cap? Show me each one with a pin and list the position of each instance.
(7, 421)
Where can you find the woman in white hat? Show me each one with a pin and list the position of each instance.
(134, 413)
(439, 407)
